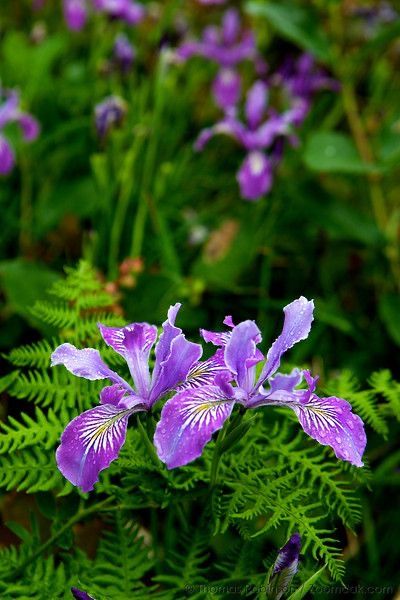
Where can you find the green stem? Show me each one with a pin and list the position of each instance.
(148, 443)
(79, 516)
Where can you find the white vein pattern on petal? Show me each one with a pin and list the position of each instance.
(202, 373)
(101, 435)
(200, 411)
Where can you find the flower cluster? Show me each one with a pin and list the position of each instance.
(228, 46)
(10, 112)
(76, 11)
(264, 128)
(204, 392)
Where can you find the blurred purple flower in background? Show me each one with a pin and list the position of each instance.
(265, 128)
(80, 594)
(228, 46)
(76, 11)
(75, 14)
(109, 113)
(189, 419)
(123, 53)
(10, 112)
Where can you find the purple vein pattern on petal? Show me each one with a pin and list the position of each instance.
(134, 343)
(331, 422)
(187, 423)
(296, 327)
(86, 363)
(90, 443)
(241, 352)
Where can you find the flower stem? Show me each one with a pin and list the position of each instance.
(148, 443)
(79, 516)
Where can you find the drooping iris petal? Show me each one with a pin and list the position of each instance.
(187, 423)
(228, 126)
(30, 127)
(331, 422)
(7, 158)
(285, 567)
(134, 343)
(91, 442)
(86, 363)
(241, 353)
(75, 14)
(296, 327)
(255, 176)
(256, 103)
(226, 88)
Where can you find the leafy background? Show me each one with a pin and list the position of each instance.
(329, 229)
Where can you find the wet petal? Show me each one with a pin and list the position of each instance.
(255, 176)
(241, 353)
(90, 443)
(331, 422)
(7, 158)
(256, 103)
(134, 343)
(187, 423)
(296, 327)
(86, 363)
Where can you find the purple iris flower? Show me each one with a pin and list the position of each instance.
(189, 419)
(124, 53)
(109, 113)
(285, 567)
(228, 46)
(75, 14)
(10, 112)
(125, 10)
(76, 11)
(80, 595)
(93, 439)
(259, 133)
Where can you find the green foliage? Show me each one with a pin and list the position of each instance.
(273, 482)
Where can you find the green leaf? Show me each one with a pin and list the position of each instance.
(389, 311)
(24, 283)
(331, 152)
(296, 24)
(306, 586)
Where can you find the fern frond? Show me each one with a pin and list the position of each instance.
(364, 402)
(44, 431)
(383, 383)
(31, 469)
(32, 355)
